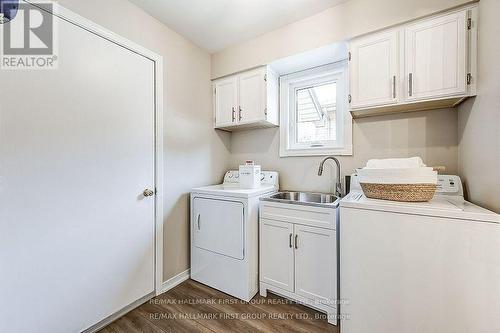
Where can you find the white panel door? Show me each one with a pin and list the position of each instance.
(276, 254)
(316, 264)
(218, 226)
(436, 59)
(226, 101)
(252, 96)
(374, 69)
(76, 153)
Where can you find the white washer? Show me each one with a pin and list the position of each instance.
(419, 267)
(224, 234)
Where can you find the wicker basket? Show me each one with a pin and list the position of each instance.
(400, 192)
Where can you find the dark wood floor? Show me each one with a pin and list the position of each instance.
(193, 307)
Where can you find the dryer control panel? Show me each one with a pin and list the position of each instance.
(266, 177)
(449, 185)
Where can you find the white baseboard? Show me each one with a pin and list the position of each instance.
(106, 321)
(175, 280)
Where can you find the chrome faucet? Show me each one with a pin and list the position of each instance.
(338, 184)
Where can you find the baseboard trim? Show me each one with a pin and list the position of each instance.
(174, 281)
(106, 321)
(166, 286)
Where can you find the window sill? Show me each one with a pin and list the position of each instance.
(343, 151)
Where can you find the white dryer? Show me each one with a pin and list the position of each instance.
(419, 267)
(224, 234)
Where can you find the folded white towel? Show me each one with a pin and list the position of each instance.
(395, 163)
(398, 176)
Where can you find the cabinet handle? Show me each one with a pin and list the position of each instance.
(234, 114)
(198, 222)
(394, 86)
(239, 115)
(290, 240)
(296, 243)
(410, 84)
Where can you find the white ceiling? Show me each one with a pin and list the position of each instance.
(217, 24)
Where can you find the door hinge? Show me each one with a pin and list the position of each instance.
(349, 98)
(469, 23)
(265, 111)
(349, 56)
(469, 78)
(265, 77)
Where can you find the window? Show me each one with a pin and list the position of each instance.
(315, 119)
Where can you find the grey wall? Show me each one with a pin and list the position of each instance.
(429, 134)
(196, 155)
(479, 118)
(349, 19)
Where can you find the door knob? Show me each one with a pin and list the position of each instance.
(148, 193)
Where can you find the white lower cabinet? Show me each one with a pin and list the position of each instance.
(277, 266)
(299, 261)
(315, 264)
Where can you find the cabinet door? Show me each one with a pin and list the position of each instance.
(374, 69)
(252, 96)
(316, 264)
(226, 101)
(436, 61)
(276, 254)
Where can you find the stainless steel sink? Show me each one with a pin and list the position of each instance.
(305, 198)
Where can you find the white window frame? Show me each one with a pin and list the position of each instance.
(289, 84)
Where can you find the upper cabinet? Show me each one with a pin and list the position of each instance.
(427, 64)
(246, 100)
(226, 100)
(374, 70)
(436, 56)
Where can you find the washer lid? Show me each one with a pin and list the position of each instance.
(440, 206)
(234, 190)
